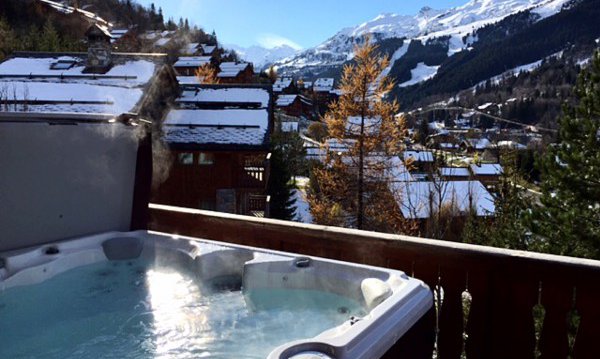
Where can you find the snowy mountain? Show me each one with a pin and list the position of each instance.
(455, 26)
(261, 56)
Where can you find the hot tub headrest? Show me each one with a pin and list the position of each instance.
(122, 248)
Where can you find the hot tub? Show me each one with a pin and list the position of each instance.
(152, 295)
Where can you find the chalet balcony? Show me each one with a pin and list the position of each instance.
(490, 303)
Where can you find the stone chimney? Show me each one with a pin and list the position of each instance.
(99, 59)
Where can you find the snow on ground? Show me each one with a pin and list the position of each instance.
(302, 208)
(395, 57)
(549, 8)
(420, 73)
(455, 44)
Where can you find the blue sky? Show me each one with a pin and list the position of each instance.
(298, 23)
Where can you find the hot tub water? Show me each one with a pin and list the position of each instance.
(131, 309)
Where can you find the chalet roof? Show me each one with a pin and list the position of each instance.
(285, 100)
(217, 116)
(455, 172)
(282, 83)
(228, 96)
(208, 49)
(38, 82)
(162, 42)
(479, 143)
(188, 80)
(486, 169)
(65, 9)
(323, 84)
(191, 48)
(419, 156)
(419, 200)
(232, 69)
(192, 61)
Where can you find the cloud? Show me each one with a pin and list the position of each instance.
(270, 41)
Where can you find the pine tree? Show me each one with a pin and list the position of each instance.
(352, 188)
(281, 186)
(8, 41)
(568, 221)
(50, 40)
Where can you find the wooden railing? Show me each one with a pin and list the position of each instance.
(490, 303)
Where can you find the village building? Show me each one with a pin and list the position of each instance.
(219, 139)
(454, 173)
(421, 200)
(235, 73)
(125, 40)
(207, 50)
(487, 173)
(420, 161)
(191, 49)
(295, 105)
(285, 85)
(99, 82)
(188, 65)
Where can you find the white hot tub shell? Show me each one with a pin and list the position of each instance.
(393, 301)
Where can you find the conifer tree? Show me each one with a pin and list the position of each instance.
(568, 221)
(8, 41)
(352, 187)
(281, 186)
(49, 41)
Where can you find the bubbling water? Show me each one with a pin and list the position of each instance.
(131, 309)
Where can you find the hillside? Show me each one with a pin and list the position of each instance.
(443, 55)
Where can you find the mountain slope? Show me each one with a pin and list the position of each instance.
(454, 27)
(261, 56)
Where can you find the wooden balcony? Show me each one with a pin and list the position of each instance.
(490, 303)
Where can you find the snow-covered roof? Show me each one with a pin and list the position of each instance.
(208, 49)
(232, 69)
(162, 42)
(188, 80)
(191, 48)
(220, 127)
(32, 83)
(219, 115)
(286, 100)
(192, 61)
(281, 84)
(419, 200)
(486, 169)
(455, 172)
(251, 136)
(233, 95)
(511, 145)
(419, 156)
(116, 34)
(447, 146)
(323, 84)
(65, 9)
(480, 143)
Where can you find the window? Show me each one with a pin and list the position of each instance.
(206, 158)
(62, 65)
(185, 158)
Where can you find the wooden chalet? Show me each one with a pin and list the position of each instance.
(487, 173)
(236, 73)
(295, 105)
(187, 65)
(218, 137)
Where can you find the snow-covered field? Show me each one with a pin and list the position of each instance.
(420, 73)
